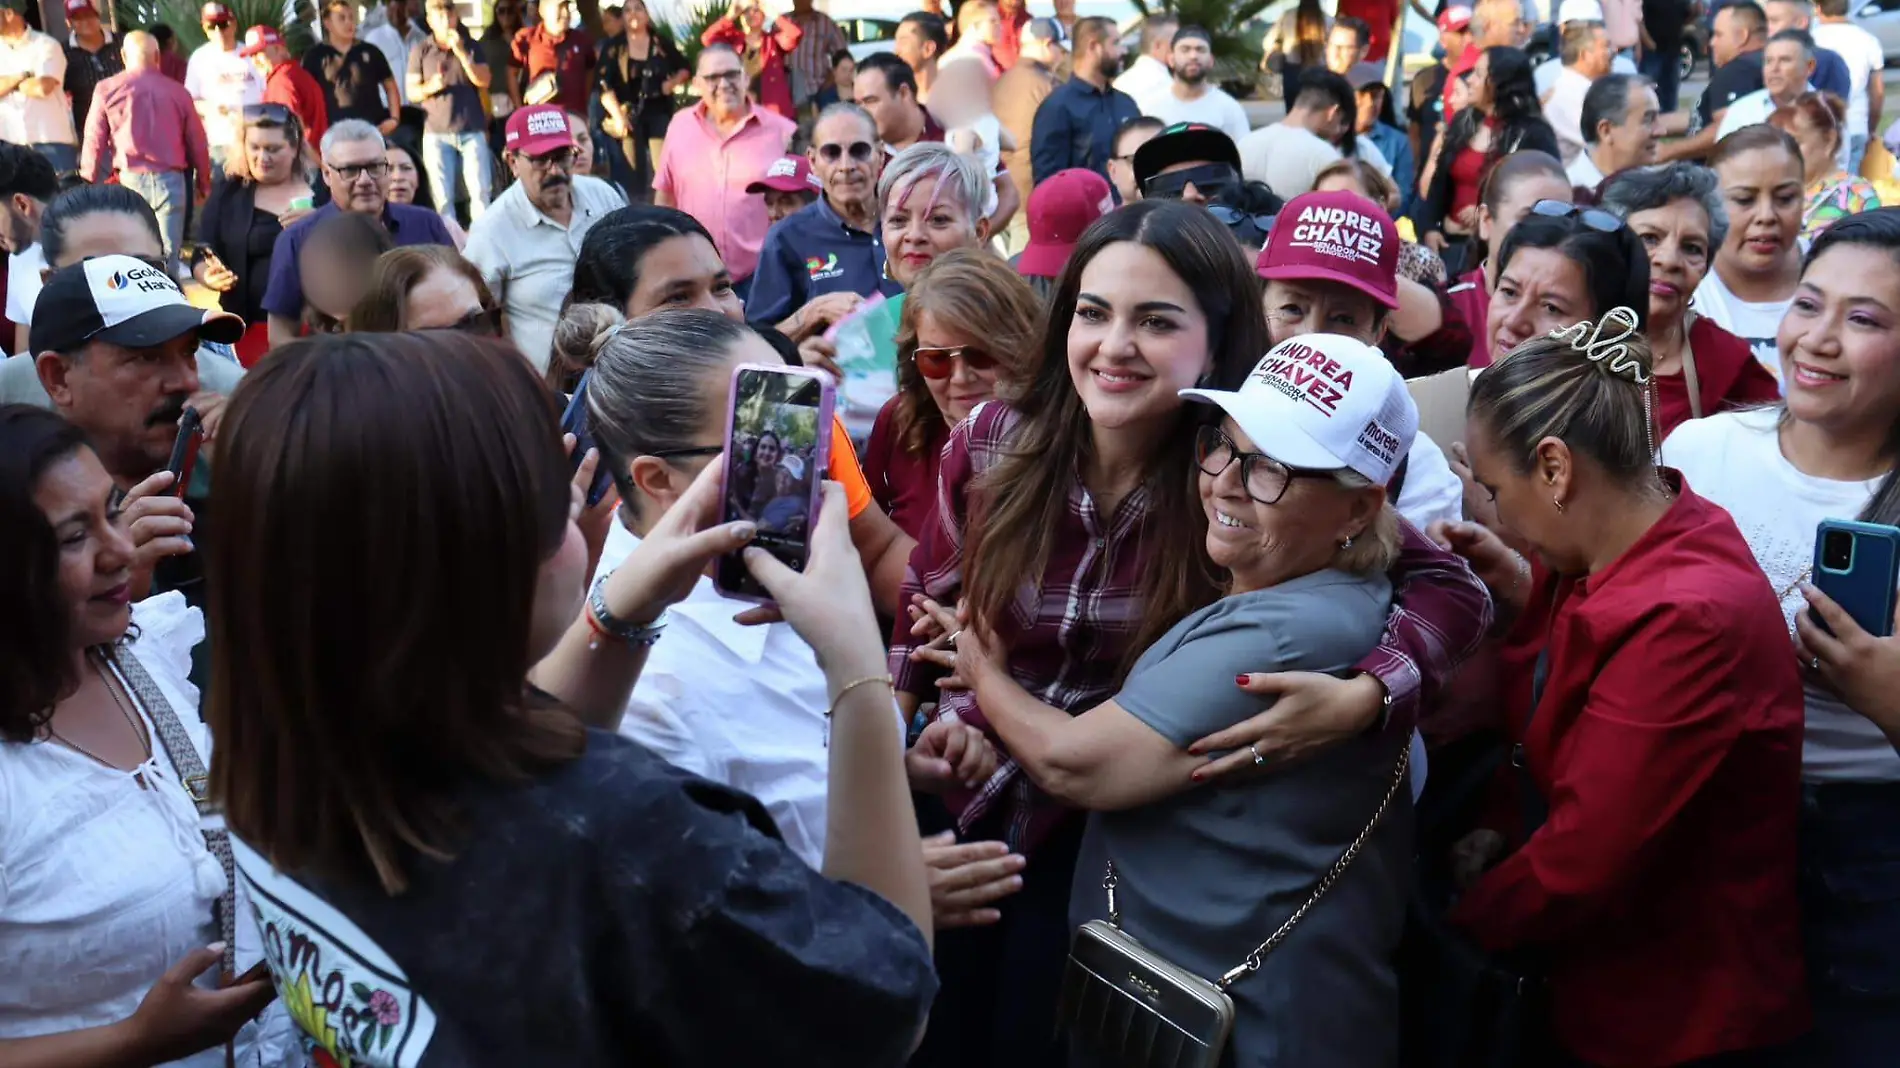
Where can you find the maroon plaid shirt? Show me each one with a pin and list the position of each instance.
(1067, 638)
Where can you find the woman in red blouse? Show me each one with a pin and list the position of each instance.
(1676, 210)
(1076, 510)
(967, 332)
(763, 44)
(1660, 721)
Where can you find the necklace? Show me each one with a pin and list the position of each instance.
(118, 702)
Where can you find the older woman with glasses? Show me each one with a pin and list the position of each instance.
(425, 287)
(266, 187)
(1701, 369)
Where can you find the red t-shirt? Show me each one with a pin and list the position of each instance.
(1727, 376)
(571, 59)
(903, 483)
(1380, 15)
(293, 87)
(1473, 301)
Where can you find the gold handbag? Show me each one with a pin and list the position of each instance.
(1129, 1007)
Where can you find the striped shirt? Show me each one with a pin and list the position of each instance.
(1068, 638)
(810, 62)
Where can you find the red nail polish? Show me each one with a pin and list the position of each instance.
(1241, 680)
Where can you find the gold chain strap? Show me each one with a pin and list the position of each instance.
(1258, 956)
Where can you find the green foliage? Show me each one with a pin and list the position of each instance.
(292, 18)
(699, 17)
(1233, 25)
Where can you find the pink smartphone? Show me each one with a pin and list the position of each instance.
(778, 443)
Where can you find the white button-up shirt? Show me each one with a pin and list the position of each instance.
(528, 258)
(32, 120)
(742, 706)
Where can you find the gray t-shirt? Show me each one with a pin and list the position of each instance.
(1208, 874)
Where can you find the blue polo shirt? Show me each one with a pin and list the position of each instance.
(812, 252)
(407, 225)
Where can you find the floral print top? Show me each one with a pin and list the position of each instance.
(1835, 197)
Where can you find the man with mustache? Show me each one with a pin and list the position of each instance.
(527, 240)
(1193, 97)
(115, 344)
(713, 151)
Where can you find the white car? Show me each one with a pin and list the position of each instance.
(1882, 19)
(871, 25)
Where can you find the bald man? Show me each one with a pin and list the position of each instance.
(145, 127)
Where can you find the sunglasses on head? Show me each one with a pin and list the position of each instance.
(940, 362)
(276, 113)
(861, 151)
(1210, 179)
(1595, 218)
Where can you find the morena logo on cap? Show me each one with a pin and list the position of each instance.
(1338, 232)
(1305, 374)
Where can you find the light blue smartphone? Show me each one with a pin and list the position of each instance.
(1858, 566)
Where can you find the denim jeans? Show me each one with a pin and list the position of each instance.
(1850, 910)
(166, 192)
(1662, 66)
(1856, 151)
(447, 156)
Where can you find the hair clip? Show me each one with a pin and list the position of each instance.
(1609, 352)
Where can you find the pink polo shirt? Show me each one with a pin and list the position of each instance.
(706, 176)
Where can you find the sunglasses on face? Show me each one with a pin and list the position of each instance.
(1211, 179)
(724, 77)
(1595, 218)
(1234, 217)
(859, 151)
(940, 362)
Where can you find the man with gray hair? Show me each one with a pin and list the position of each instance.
(145, 127)
(1830, 70)
(1786, 65)
(1621, 126)
(1151, 74)
(1572, 17)
(356, 170)
(1586, 58)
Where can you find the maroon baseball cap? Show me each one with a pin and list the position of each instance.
(788, 174)
(537, 129)
(81, 7)
(1454, 18)
(1337, 236)
(216, 14)
(1060, 208)
(258, 38)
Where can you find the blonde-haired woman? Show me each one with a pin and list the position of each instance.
(946, 365)
(265, 188)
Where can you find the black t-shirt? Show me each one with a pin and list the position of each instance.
(612, 911)
(458, 107)
(84, 71)
(352, 81)
(1732, 80)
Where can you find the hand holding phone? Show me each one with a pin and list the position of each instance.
(1858, 566)
(574, 421)
(185, 450)
(778, 444)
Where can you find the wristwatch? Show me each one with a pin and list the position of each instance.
(636, 634)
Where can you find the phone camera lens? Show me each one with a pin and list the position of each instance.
(1837, 550)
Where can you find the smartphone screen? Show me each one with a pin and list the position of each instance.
(778, 438)
(574, 421)
(185, 451)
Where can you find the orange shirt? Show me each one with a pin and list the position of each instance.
(845, 471)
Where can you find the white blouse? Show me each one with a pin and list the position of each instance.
(106, 883)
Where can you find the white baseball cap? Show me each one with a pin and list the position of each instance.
(1324, 402)
(1579, 11)
(123, 300)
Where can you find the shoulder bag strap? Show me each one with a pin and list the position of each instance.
(1252, 963)
(196, 781)
(1688, 368)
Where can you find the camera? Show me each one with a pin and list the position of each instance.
(1837, 550)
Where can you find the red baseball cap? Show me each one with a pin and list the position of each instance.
(258, 38)
(214, 13)
(1060, 208)
(1453, 19)
(1337, 236)
(789, 174)
(537, 129)
(81, 7)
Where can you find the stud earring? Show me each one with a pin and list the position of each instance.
(1559, 505)
(1347, 544)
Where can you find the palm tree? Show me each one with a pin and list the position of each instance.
(1231, 24)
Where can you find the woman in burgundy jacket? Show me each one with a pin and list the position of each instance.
(1662, 730)
(763, 43)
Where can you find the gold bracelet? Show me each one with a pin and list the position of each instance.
(854, 684)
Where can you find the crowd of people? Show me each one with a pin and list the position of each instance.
(367, 461)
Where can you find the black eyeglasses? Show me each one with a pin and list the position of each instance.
(1232, 217)
(681, 454)
(1265, 478)
(1595, 218)
(861, 151)
(350, 172)
(1210, 179)
(277, 113)
(731, 77)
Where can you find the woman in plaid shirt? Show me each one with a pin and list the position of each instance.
(1077, 506)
